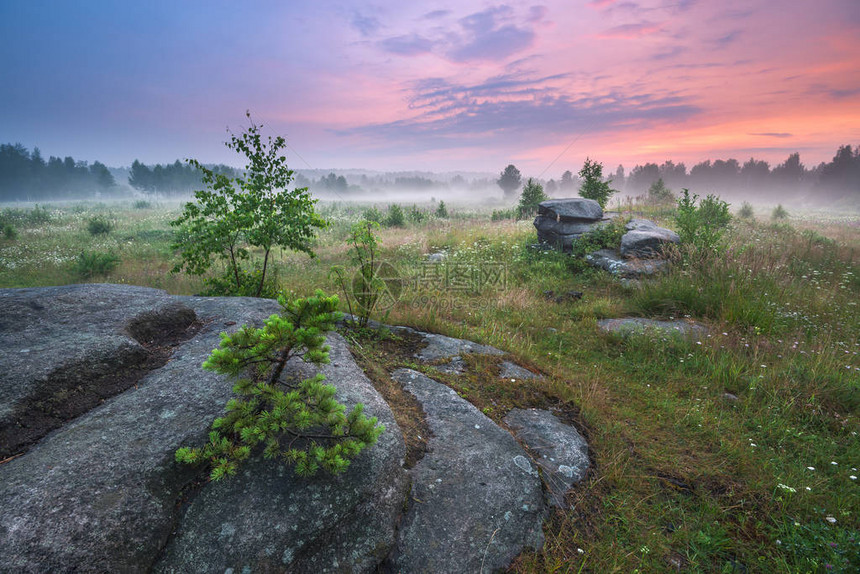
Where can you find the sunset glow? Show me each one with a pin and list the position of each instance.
(457, 86)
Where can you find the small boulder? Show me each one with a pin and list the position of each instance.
(560, 451)
(611, 261)
(639, 224)
(646, 243)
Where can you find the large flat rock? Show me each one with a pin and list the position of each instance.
(571, 209)
(65, 349)
(477, 500)
(317, 524)
(102, 492)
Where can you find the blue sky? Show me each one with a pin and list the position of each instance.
(444, 86)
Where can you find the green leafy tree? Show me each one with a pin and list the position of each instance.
(779, 212)
(510, 181)
(234, 216)
(593, 186)
(530, 199)
(299, 423)
(701, 226)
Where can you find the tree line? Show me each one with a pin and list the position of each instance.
(837, 178)
(175, 178)
(27, 176)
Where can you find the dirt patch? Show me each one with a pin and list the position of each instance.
(378, 358)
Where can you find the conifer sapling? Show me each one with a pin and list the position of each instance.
(298, 422)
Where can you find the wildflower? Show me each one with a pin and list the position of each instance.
(852, 477)
(786, 488)
(811, 467)
(831, 520)
(834, 463)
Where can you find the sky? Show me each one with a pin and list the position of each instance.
(433, 86)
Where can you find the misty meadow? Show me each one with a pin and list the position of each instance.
(479, 287)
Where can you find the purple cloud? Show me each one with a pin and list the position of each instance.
(410, 45)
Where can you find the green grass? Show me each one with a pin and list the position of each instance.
(701, 449)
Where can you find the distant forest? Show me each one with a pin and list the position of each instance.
(27, 176)
(757, 179)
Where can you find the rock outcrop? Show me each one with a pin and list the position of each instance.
(560, 221)
(102, 492)
(560, 451)
(476, 499)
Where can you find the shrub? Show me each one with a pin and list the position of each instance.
(142, 204)
(395, 216)
(93, 263)
(99, 225)
(746, 211)
(779, 212)
(441, 210)
(9, 232)
(248, 284)
(701, 226)
(502, 214)
(530, 199)
(267, 410)
(593, 186)
(602, 237)
(366, 287)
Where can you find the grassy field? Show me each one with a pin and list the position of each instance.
(737, 452)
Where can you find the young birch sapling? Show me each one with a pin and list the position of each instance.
(300, 423)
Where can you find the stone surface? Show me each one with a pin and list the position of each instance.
(638, 325)
(476, 500)
(440, 347)
(317, 524)
(559, 450)
(639, 224)
(562, 234)
(65, 349)
(611, 261)
(645, 243)
(100, 493)
(511, 370)
(571, 209)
